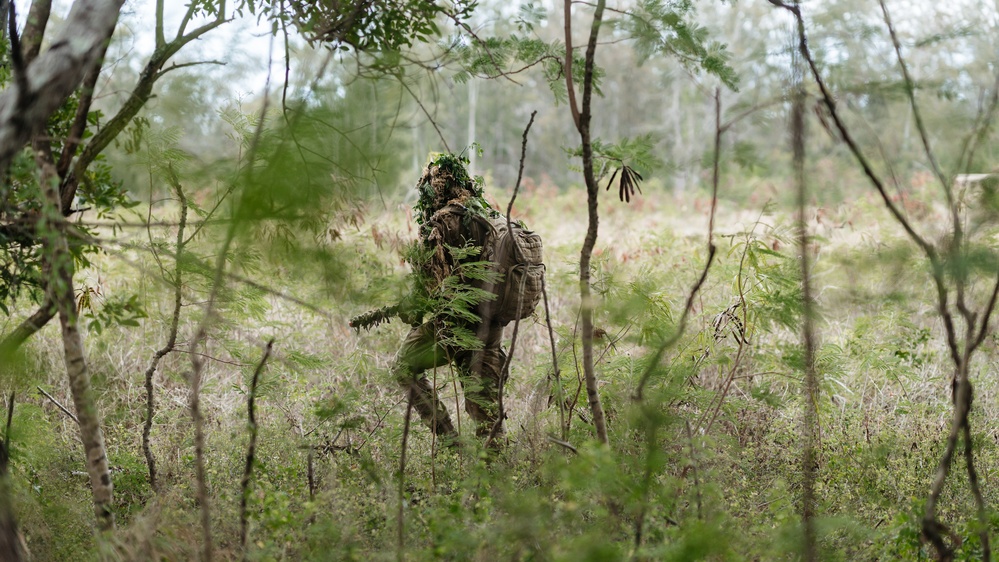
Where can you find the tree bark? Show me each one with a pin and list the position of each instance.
(53, 76)
(592, 191)
(12, 547)
(60, 290)
(34, 29)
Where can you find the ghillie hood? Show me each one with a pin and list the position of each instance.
(445, 181)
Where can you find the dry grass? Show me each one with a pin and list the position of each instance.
(871, 291)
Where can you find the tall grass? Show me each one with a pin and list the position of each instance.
(720, 490)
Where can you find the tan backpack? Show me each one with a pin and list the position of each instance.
(517, 254)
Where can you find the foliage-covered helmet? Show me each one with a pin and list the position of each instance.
(444, 180)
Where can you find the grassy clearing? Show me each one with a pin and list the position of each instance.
(709, 463)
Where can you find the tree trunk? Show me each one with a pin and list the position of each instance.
(592, 191)
(12, 547)
(60, 267)
(53, 76)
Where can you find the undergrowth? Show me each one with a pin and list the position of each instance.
(706, 467)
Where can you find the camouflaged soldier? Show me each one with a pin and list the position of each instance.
(449, 200)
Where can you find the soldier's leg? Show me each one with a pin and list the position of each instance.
(420, 352)
(483, 380)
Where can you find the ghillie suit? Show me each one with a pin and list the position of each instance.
(464, 272)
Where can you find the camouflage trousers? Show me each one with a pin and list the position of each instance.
(479, 371)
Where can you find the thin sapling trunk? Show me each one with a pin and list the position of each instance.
(592, 190)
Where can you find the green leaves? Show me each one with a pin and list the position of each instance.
(667, 28)
(627, 157)
(379, 25)
(116, 311)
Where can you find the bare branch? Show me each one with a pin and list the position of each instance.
(564, 444)
(171, 342)
(201, 334)
(79, 127)
(983, 123)
(498, 424)
(71, 415)
(34, 28)
(573, 107)
(910, 90)
(682, 324)
(928, 249)
(251, 449)
(173, 67)
(160, 39)
(27, 328)
(425, 112)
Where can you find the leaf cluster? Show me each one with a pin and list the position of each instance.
(665, 27)
(369, 25)
(495, 57)
(21, 200)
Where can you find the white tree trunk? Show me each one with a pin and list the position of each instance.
(53, 76)
(59, 264)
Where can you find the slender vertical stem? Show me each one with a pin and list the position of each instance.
(682, 324)
(400, 513)
(194, 403)
(498, 424)
(201, 334)
(556, 374)
(810, 390)
(171, 342)
(586, 254)
(251, 449)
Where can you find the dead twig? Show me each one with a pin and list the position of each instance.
(498, 424)
(556, 376)
(251, 448)
(171, 342)
(71, 415)
(564, 444)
